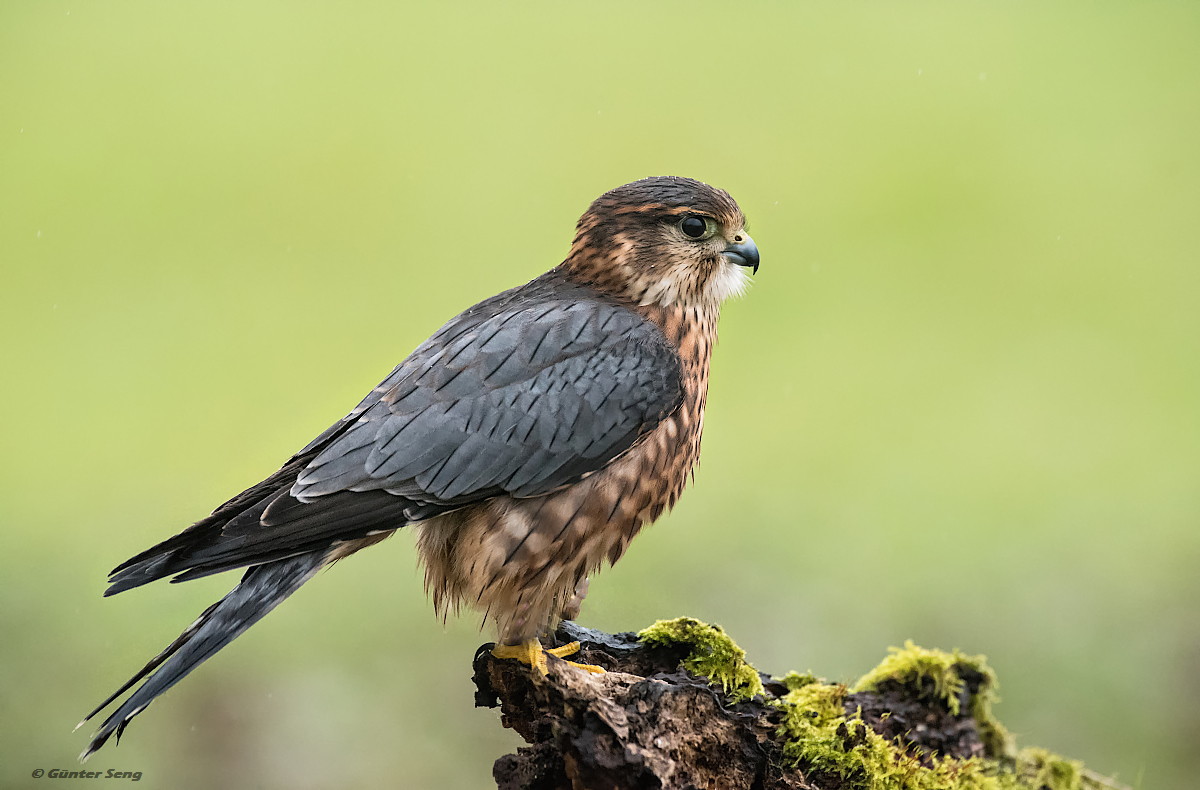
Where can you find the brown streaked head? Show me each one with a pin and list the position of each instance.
(665, 240)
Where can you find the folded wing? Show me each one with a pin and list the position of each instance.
(529, 400)
(520, 395)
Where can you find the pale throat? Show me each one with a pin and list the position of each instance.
(727, 281)
(682, 285)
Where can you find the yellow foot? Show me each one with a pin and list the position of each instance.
(530, 653)
(533, 654)
(570, 649)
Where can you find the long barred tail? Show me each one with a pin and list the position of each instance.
(260, 590)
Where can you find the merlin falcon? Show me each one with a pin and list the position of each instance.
(526, 442)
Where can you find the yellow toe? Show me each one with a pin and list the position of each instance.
(533, 654)
(529, 652)
(595, 670)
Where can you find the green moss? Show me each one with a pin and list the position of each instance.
(818, 735)
(1040, 768)
(794, 680)
(912, 665)
(713, 655)
(942, 674)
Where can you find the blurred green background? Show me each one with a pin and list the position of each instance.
(960, 404)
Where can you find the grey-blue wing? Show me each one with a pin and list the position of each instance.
(520, 400)
(523, 393)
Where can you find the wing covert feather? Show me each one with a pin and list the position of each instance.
(522, 401)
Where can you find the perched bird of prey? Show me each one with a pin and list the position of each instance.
(527, 441)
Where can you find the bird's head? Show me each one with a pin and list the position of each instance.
(666, 240)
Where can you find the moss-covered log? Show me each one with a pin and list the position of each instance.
(679, 707)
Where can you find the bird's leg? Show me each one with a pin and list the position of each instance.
(571, 609)
(532, 653)
(528, 652)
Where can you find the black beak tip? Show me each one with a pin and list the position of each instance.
(744, 254)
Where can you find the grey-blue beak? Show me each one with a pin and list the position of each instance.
(744, 254)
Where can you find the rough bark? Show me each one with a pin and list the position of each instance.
(648, 723)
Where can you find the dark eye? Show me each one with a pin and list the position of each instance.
(693, 227)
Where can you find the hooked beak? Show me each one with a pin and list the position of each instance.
(743, 254)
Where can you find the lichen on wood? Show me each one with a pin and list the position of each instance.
(680, 708)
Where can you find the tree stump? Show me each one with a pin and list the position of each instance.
(649, 722)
